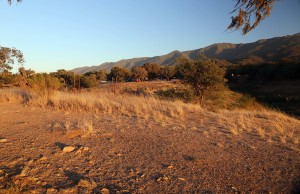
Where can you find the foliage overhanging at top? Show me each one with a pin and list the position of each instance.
(247, 10)
(10, 1)
(250, 9)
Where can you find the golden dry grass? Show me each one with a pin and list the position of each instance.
(109, 103)
(266, 124)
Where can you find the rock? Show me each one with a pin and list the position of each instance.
(78, 152)
(104, 191)
(3, 140)
(43, 158)
(86, 149)
(68, 149)
(51, 191)
(84, 183)
(87, 184)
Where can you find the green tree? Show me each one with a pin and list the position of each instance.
(8, 57)
(119, 74)
(153, 70)
(41, 82)
(25, 73)
(248, 9)
(101, 75)
(88, 81)
(139, 73)
(202, 76)
(168, 72)
(65, 77)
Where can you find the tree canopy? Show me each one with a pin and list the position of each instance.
(8, 56)
(249, 10)
(201, 75)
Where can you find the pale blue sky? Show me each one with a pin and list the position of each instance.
(65, 34)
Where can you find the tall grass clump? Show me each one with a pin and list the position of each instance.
(109, 103)
(14, 95)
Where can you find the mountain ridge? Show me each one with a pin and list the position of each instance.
(261, 51)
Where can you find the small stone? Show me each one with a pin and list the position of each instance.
(51, 191)
(104, 191)
(68, 149)
(3, 140)
(84, 183)
(86, 149)
(78, 152)
(43, 158)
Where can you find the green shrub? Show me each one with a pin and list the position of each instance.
(184, 94)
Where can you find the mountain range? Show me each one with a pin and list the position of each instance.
(285, 48)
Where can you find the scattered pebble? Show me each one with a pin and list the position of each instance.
(84, 183)
(51, 191)
(78, 152)
(86, 149)
(104, 191)
(68, 149)
(171, 167)
(43, 158)
(3, 140)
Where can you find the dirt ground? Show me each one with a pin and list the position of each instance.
(126, 154)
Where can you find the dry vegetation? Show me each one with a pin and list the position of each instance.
(98, 117)
(265, 123)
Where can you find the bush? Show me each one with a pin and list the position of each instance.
(184, 94)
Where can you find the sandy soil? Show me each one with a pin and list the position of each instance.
(132, 155)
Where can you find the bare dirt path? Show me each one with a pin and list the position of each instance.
(132, 155)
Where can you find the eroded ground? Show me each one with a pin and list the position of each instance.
(122, 154)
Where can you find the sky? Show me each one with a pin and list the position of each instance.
(66, 34)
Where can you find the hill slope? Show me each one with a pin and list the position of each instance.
(266, 50)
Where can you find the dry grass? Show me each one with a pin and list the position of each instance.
(109, 103)
(269, 125)
(14, 95)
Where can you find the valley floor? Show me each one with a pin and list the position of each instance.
(127, 154)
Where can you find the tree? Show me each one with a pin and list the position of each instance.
(66, 77)
(139, 73)
(202, 75)
(168, 72)
(26, 73)
(8, 57)
(247, 9)
(88, 81)
(153, 70)
(119, 74)
(101, 75)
